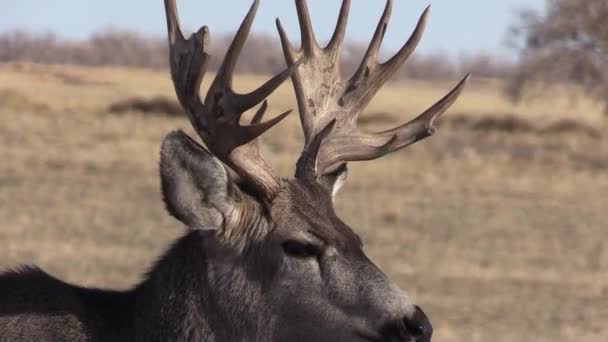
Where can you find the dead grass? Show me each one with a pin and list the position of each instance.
(516, 124)
(500, 234)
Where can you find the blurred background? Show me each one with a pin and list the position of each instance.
(497, 225)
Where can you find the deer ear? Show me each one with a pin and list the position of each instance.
(196, 186)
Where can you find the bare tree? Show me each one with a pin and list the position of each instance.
(567, 43)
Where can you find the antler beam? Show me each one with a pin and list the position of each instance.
(325, 99)
(217, 119)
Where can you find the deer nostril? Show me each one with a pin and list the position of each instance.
(419, 326)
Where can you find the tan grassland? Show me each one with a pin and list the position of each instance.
(501, 235)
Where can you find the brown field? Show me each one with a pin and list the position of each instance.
(498, 225)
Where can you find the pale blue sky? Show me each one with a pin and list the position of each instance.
(455, 25)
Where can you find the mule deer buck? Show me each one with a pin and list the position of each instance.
(265, 258)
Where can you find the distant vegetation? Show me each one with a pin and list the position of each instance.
(127, 48)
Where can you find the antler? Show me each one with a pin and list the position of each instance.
(329, 106)
(217, 119)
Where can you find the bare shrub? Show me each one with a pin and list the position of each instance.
(514, 124)
(432, 66)
(111, 47)
(127, 48)
(24, 46)
(486, 65)
(506, 123)
(568, 43)
(156, 105)
(569, 127)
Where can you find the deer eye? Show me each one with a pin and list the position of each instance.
(301, 250)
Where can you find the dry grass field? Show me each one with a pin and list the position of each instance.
(497, 225)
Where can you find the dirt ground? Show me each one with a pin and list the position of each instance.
(500, 235)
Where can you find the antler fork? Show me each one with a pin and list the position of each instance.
(329, 105)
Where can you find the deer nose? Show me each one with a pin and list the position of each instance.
(418, 326)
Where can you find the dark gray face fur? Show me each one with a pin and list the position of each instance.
(329, 291)
(291, 270)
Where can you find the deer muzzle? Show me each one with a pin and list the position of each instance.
(415, 327)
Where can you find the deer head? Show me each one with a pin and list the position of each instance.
(279, 257)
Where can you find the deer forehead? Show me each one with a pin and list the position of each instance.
(306, 210)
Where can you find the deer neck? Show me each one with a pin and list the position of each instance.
(189, 297)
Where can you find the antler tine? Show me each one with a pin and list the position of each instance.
(247, 101)
(309, 42)
(223, 80)
(226, 71)
(188, 58)
(307, 164)
(314, 58)
(335, 44)
(326, 100)
(370, 60)
(423, 125)
(217, 120)
(290, 53)
(392, 65)
(259, 115)
(173, 26)
(371, 75)
(360, 146)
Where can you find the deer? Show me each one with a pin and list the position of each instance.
(263, 258)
